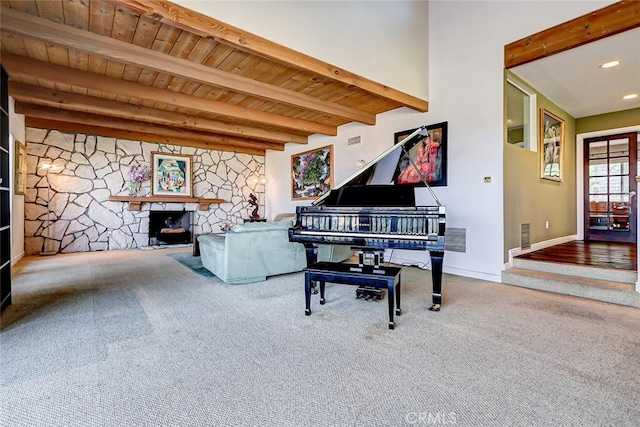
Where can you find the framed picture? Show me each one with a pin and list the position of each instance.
(171, 174)
(311, 173)
(20, 171)
(429, 154)
(551, 145)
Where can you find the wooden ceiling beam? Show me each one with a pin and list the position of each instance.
(205, 26)
(85, 41)
(71, 101)
(32, 68)
(605, 22)
(135, 126)
(35, 122)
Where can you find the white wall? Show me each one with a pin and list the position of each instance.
(17, 130)
(369, 38)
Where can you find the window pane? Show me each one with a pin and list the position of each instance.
(597, 168)
(598, 185)
(619, 167)
(517, 117)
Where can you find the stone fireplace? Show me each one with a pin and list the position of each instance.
(170, 227)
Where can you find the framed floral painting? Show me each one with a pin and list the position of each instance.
(311, 173)
(171, 174)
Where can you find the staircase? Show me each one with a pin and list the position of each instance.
(601, 284)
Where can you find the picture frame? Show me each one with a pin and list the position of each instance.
(312, 173)
(20, 169)
(171, 174)
(551, 146)
(431, 159)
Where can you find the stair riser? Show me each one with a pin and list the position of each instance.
(622, 276)
(628, 298)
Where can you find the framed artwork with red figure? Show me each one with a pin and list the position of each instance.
(429, 155)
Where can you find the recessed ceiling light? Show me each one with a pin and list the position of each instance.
(610, 64)
(630, 96)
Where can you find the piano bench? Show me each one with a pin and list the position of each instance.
(347, 274)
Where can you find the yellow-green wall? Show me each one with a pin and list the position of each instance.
(529, 199)
(617, 120)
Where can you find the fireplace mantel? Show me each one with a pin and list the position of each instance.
(135, 202)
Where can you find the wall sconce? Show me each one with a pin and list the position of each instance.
(48, 166)
(259, 180)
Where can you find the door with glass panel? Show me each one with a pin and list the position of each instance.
(610, 183)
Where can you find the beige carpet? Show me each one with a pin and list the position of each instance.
(134, 338)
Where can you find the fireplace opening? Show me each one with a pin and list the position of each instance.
(170, 227)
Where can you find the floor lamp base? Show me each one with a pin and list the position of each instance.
(47, 253)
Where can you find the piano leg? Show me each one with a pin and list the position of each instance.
(436, 275)
(311, 251)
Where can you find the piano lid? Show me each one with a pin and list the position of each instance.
(373, 185)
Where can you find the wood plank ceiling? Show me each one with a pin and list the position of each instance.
(155, 71)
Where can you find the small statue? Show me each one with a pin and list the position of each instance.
(253, 201)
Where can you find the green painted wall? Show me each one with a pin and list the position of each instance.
(533, 200)
(619, 119)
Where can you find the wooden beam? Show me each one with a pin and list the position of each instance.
(31, 68)
(36, 122)
(605, 22)
(85, 41)
(71, 101)
(205, 26)
(135, 126)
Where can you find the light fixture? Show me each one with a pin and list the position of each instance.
(48, 166)
(261, 179)
(610, 64)
(630, 96)
(360, 163)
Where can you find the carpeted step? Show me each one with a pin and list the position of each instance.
(607, 274)
(595, 289)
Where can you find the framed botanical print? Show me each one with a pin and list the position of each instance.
(171, 174)
(551, 145)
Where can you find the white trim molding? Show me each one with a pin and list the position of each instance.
(514, 252)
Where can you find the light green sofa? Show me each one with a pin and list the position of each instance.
(253, 251)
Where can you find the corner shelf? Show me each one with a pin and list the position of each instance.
(136, 202)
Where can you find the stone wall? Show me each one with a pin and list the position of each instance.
(81, 219)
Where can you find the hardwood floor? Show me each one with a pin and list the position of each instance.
(598, 254)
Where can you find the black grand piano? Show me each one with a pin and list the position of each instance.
(370, 213)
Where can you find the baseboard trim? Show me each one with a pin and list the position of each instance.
(17, 258)
(514, 252)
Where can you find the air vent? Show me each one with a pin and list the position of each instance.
(525, 236)
(455, 239)
(354, 140)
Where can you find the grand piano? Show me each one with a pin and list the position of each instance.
(371, 212)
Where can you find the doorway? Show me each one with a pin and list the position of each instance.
(610, 165)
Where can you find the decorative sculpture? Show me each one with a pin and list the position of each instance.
(253, 201)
